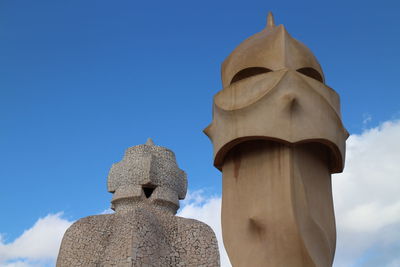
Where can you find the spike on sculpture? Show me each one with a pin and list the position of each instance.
(278, 136)
(149, 142)
(147, 185)
(270, 20)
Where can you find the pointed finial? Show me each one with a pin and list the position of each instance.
(149, 142)
(270, 20)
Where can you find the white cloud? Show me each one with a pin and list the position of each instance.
(367, 199)
(107, 211)
(367, 118)
(28, 263)
(198, 206)
(37, 246)
(367, 205)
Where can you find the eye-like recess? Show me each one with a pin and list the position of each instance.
(248, 72)
(148, 189)
(312, 73)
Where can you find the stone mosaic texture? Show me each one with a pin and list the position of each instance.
(144, 231)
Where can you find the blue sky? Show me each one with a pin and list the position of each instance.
(81, 81)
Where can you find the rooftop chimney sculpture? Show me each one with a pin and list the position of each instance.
(278, 136)
(147, 185)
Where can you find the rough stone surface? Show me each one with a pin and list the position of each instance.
(144, 231)
(278, 136)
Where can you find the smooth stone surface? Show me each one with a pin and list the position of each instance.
(278, 136)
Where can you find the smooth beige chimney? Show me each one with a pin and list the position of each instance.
(278, 136)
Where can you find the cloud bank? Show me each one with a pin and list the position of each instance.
(366, 197)
(37, 246)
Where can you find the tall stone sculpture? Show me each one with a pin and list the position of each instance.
(147, 185)
(278, 136)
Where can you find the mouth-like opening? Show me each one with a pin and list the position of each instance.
(148, 189)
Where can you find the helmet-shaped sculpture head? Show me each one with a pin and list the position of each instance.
(274, 89)
(271, 49)
(148, 173)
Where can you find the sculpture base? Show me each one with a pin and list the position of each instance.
(277, 207)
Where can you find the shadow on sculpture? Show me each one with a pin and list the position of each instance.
(278, 136)
(144, 231)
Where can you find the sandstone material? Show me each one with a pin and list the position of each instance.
(144, 231)
(278, 136)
